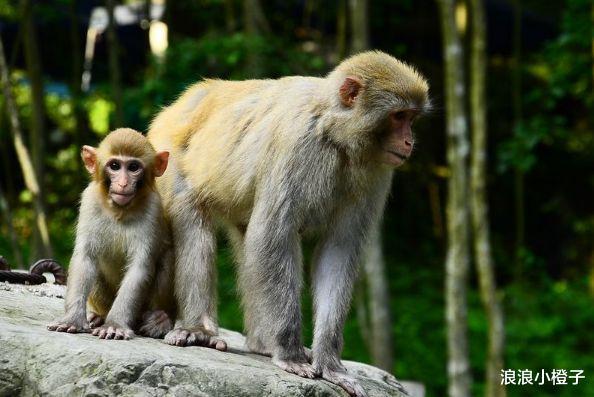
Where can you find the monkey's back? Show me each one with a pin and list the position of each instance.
(223, 135)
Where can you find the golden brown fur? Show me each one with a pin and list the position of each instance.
(121, 260)
(272, 160)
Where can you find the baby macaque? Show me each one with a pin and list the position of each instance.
(121, 261)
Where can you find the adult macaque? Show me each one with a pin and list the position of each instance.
(122, 244)
(275, 160)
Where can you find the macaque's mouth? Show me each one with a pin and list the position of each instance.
(400, 156)
(121, 198)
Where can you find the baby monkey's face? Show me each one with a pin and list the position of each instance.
(124, 177)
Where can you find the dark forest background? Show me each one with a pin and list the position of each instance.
(540, 169)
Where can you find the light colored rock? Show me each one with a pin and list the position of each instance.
(34, 361)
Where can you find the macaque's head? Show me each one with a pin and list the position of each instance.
(125, 164)
(383, 96)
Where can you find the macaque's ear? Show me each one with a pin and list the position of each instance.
(161, 160)
(89, 156)
(349, 90)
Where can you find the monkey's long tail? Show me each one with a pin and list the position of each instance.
(35, 275)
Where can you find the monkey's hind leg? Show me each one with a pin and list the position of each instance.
(236, 236)
(99, 302)
(155, 324)
(270, 282)
(195, 276)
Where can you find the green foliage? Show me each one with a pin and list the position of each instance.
(562, 76)
(559, 312)
(8, 10)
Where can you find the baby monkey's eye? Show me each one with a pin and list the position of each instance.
(114, 165)
(399, 116)
(133, 166)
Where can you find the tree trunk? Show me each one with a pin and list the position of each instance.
(80, 117)
(40, 246)
(341, 30)
(591, 280)
(308, 10)
(380, 344)
(230, 20)
(360, 25)
(517, 106)
(457, 260)
(255, 24)
(115, 73)
(255, 20)
(592, 43)
(23, 156)
(480, 207)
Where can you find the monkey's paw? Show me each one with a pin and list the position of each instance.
(70, 326)
(184, 337)
(95, 320)
(347, 382)
(113, 331)
(155, 324)
(299, 368)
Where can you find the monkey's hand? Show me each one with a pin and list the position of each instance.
(111, 330)
(71, 325)
(344, 380)
(196, 337)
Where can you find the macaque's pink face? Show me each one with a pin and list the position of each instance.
(399, 142)
(124, 176)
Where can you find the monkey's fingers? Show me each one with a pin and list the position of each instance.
(200, 338)
(63, 327)
(52, 327)
(103, 333)
(69, 327)
(347, 382)
(123, 334)
(303, 369)
(218, 344)
(177, 337)
(95, 320)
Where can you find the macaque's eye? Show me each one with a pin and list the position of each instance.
(399, 116)
(134, 166)
(114, 165)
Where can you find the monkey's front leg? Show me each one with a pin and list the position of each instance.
(124, 310)
(335, 273)
(82, 276)
(195, 278)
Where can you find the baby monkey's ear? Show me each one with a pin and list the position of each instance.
(161, 160)
(89, 156)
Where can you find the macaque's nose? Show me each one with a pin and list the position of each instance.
(123, 182)
(408, 142)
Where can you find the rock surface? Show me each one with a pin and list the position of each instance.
(34, 361)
